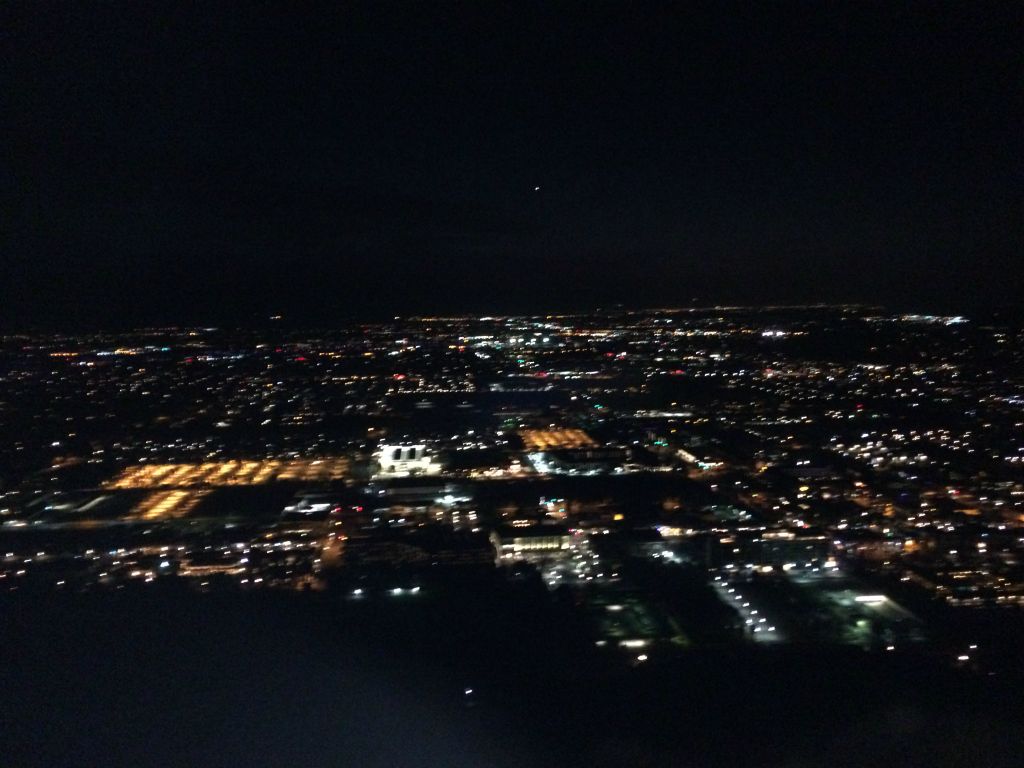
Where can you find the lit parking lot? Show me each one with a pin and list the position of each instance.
(554, 439)
(166, 505)
(226, 473)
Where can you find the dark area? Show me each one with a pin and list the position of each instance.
(216, 164)
(168, 679)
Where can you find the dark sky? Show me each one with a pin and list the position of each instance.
(217, 161)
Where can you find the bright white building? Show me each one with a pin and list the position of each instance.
(406, 460)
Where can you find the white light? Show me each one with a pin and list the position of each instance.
(632, 643)
(870, 599)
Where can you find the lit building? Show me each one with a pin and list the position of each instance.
(531, 544)
(406, 460)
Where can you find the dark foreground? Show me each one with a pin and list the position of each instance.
(157, 679)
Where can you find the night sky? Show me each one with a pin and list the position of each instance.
(217, 162)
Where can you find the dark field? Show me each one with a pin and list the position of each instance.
(172, 679)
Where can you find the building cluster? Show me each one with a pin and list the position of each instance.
(792, 456)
